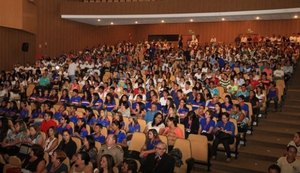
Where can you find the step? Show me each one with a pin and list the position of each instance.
(259, 152)
(285, 122)
(262, 139)
(282, 116)
(276, 131)
(242, 164)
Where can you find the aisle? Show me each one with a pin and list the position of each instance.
(269, 139)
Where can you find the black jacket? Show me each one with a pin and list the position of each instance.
(165, 164)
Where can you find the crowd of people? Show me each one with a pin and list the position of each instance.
(99, 95)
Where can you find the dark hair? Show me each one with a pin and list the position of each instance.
(237, 106)
(37, 150)
(229, 98)
(226, 114)
(110, 163)
(84, 156)
(132, 165)
(117, 123)
(91, 141)
(174, 120)
(153, 121)
(274, 167)
(291, 146)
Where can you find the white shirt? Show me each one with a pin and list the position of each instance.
(72, 69)
(287, 167)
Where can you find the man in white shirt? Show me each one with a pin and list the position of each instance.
(72, 70)
(289, 163)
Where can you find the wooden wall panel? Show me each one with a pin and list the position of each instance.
(11, 14)
(10, 49)
(29, 16)
(174, 6)
(56, 35)
(223, 31)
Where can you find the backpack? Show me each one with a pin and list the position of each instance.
(177, 155)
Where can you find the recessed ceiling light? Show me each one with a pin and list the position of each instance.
(136, 22)
(99, 20)
(295, 17)
(223, 19)
(257, 18)
(191, 20)
(162, 21)
(111, 23)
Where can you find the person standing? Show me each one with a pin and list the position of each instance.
(72, 70)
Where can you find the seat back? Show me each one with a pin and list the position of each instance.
(137, 141)
(142, 124)
(78, 143)
(184, 146)
(98, 145)
(199, 147)
(164, 139)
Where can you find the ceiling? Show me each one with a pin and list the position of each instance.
(103, 20)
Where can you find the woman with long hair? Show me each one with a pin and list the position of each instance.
(152, 139)
(157, 123)
(106, 164)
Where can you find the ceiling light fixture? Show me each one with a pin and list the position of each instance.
(257, 18)
(223, 19)
(162, 21)
(99, 20)
(295, 17)
(136, 22)
(191, 20)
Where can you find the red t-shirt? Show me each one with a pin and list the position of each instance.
(47, 124)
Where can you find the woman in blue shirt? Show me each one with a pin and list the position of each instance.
(97, 102)
(103, 119)
(110, 103)
(224, 134)
(207, 125)
(152, 139)
(199, 100)
(64, 99)
(86, 99)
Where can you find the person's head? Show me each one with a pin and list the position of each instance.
(83, 158)
(116, 125)
(58, 156)
(172, 122)
(89, 142)
(129, 166)
(228, 99)
(160, 149)
(225, 117)
(291, 152)
(20, 126)
(107, 162)
(152, 134)
(111, 140)
(37, 151)
(274, 169)
(157, 119)
(153, 107)
(236, 107)
(97, 128)
(209, 114)
(66, 135)
(241, 98)
(34, 130)
(48, 116)
(296, 138)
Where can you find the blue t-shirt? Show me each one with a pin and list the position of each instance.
(228, 108)
(61, 128)
(229, 126)
(75, 100)
(100, 138)
(196, 105)
(104, 122)
(206, 126)
(133, 128)
(24, 113)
